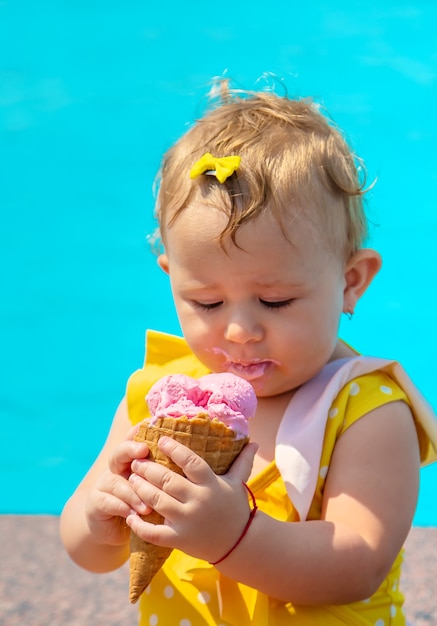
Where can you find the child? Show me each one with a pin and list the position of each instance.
(262, 225)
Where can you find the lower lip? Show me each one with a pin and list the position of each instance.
(252, 371)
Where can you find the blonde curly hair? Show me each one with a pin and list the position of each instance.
(294, 162)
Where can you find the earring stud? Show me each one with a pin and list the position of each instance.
(349, 313)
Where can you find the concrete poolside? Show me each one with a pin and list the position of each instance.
(40, 586)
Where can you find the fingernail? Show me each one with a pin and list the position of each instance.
(130, 518)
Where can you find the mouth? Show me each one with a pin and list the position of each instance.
(250, 371)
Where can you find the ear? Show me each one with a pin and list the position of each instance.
(360, 270)
(163, 263)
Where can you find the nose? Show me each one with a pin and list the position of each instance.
(243, 330)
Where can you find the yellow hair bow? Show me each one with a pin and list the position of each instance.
(220, 167)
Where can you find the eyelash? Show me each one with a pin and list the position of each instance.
(281, 304)
(207, 307)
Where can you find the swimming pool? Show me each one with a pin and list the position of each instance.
(90, 96)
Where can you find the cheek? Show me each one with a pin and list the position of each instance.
(196, 327)
(315, 325)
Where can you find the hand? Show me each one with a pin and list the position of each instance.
(204, 513)
(112, 498)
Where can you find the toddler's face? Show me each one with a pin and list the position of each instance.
(268, 311)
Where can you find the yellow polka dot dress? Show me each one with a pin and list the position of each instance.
(190, 592)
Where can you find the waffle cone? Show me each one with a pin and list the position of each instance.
(211, 440)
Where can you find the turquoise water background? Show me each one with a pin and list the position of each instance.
(91, 94)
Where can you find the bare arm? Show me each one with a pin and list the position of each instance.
(92, 526)
(369, 502)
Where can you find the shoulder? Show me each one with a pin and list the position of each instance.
(366, 393)
(359, 397)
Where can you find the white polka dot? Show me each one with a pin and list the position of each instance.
(323, 471)
(354, 390)
(203, 597)
(379, 622)
(185, 622)
(366, 601)
(332, 413)
(169, 591)
(387, 390)
(395, 585)
(148, 589)
(393, 610)
(153, 620)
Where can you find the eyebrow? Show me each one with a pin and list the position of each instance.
(197, 284)
(278, 283)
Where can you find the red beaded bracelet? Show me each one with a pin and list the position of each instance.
(245, 529)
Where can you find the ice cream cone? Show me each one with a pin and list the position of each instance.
(210, 439)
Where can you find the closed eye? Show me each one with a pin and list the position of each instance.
(280, 304)
(207, 306)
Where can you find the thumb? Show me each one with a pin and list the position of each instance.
(242, 466)
(132, 431)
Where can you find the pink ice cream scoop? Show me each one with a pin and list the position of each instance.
(223, 396)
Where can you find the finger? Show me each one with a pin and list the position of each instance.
(156, 498)
(124, 454)
(193, 466)
(242, 466)
(132, 431)
(114, 488)
(110, 506)
(161, 477)
(158, 534)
